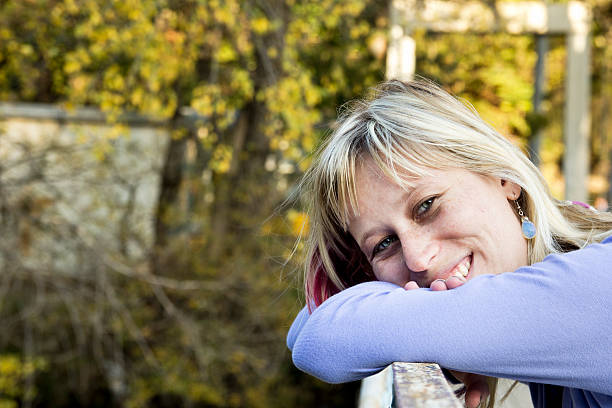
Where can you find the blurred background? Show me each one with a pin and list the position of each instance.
(146, 150)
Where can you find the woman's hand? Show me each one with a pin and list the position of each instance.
(439, 284)
(476, 387)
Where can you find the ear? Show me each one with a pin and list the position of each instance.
(511, 189)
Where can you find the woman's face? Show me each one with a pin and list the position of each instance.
(446, 223)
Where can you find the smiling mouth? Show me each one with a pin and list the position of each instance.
(462, 269)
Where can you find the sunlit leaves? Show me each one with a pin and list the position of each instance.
(14, 374)
(494, 72)
(222, 158)
(262, 80)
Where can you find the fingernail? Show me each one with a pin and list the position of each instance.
(411, 285)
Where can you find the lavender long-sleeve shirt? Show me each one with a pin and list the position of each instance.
(549, 325)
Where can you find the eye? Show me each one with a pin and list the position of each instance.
(424, 207)
(384, 244)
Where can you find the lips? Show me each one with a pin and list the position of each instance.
(462, 269)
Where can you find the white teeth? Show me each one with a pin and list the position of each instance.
(460, 276)
(464, 269)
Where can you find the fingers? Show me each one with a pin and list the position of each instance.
(476, 387)
(476, 393)
(411, 285)
(451, 283)
(438, 284)
(454, 282)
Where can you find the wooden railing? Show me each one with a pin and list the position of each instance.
(408, 385)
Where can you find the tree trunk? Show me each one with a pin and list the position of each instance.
(243, 138)
(170, 184)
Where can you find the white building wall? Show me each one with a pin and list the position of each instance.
(86, 183)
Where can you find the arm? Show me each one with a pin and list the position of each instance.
(549, 323)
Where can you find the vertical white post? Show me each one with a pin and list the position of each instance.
(577, 105)
(377, 390)
(401, 54)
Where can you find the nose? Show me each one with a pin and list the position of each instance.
(419, 251)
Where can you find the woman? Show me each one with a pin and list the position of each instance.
(414, 194)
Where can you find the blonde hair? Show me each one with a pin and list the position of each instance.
(407, 128)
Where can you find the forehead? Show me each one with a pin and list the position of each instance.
(403, 171)
(373, 184)
(407, 176)
(371, 180)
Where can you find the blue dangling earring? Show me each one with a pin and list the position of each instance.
(528, 227)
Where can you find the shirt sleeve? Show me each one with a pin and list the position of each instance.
(548, 323)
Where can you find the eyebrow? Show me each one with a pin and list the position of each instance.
(371, 231)
(368, 234)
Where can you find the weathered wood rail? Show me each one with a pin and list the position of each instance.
(408, 385)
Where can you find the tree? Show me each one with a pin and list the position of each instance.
(243, 96)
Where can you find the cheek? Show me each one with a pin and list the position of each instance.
(506, 220)
(391, 270)
(508, 240)
(519, 245)
(457, 221)
(492, 228)
(492, 217)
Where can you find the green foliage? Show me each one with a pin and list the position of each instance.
(14, 374)
(493, 72)
(256, 81)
